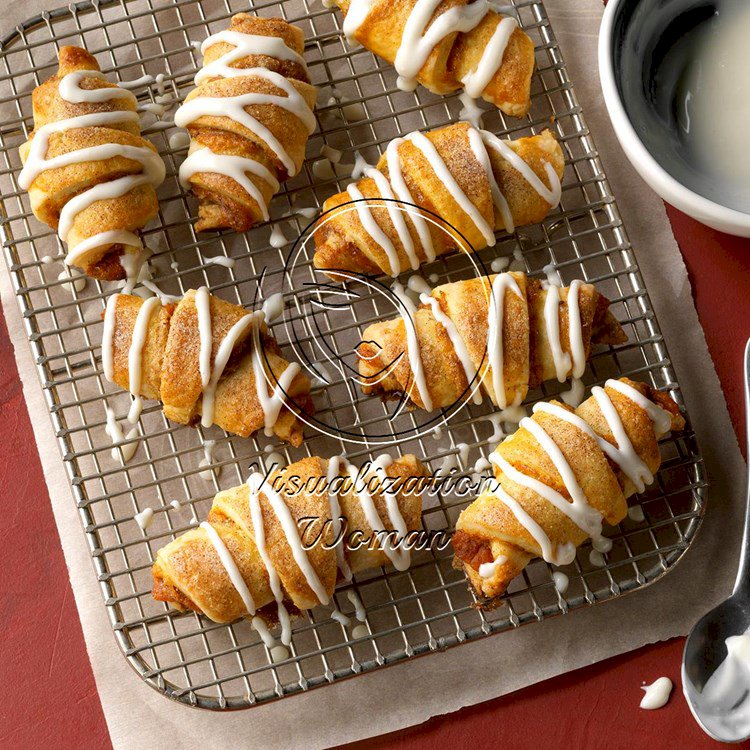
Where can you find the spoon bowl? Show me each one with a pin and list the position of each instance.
(706, 646)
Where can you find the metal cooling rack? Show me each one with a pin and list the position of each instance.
(428, 607)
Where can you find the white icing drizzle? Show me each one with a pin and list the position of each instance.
(234, 108)
(270, 403)
(108, 338)
(135, 355)
(203, 159)
(400, 557)
(418, 41)
(400, 188)
(498, 199)
(476, 80)
(427, 148)
(360, 631)
(561, 556)
(256, 484)
(479, 141)
(340, 617)
(373, 228)
(395, 214)
(273, 307)
(586, 517)
(632, 465)
(575, 332)
(205, 331)
(36, 161)
(501, 283)
(333, 503)
(70, 89)
(355, 17)
(552, 323)
(470, 112)
(259, 536)
(278, 238)
(115, 432)
(550, 194)
(623, 454)
(574, 396)
(661, 418)
(230, 566)
(458, 343)
(261, 628)
(245, 45)
(222, 357)
(412, 344)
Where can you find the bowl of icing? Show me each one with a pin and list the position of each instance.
(676, 83)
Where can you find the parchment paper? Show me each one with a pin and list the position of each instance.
(409, 693)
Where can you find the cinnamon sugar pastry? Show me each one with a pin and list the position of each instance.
(471, 179)
(206, 360)
(89, 173)
(447, 45)
(559, 478)
(249, 120)
(509, 331)
(255, 548)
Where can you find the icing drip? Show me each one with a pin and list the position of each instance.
(359, 610)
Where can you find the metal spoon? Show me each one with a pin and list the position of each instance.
(705, 648)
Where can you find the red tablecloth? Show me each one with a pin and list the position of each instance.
(48, 693)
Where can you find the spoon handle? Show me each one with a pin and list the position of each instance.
(742, 584)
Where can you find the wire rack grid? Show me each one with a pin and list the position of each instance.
(428, 607)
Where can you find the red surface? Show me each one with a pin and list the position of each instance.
(47, 691)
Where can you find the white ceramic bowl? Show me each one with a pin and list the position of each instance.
(671, 190)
